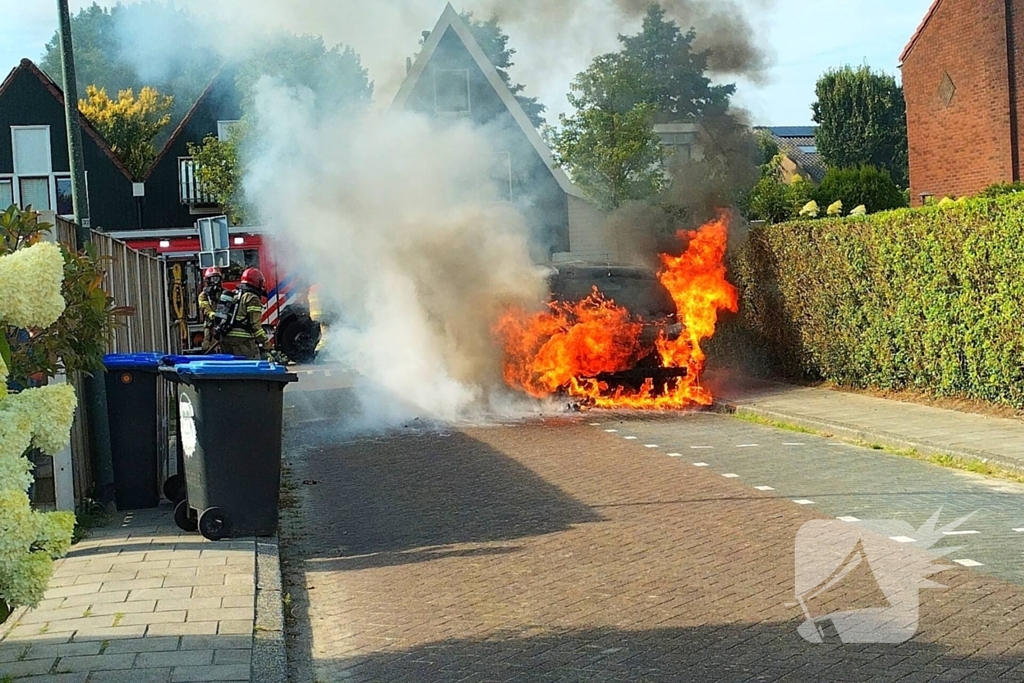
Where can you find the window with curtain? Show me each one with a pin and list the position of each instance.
(32, 151)
(35, 192)
(6, 193)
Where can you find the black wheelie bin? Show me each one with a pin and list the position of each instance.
(174, 485)
(230, 421)
(131, 381)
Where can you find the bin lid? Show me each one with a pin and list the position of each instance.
(235, 370)
(132, 361)
(181, 360)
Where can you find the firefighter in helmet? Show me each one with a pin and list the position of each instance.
(246, 337)
(208, 300)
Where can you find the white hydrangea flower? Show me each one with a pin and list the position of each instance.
(835, 209)
(30, 286)
(50, 411)
(810, 209)
(859, 211)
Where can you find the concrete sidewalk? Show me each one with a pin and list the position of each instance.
(933, 431)
(139, 600)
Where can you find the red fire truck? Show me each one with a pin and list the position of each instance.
(286, 314)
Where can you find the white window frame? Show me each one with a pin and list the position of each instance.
(51, 177)
(506, 157)
(8, 178)
(469, 93)
(49, 151)
(226, 125)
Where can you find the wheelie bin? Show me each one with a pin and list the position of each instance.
(131, 382)
(230, 421)
(174, 485)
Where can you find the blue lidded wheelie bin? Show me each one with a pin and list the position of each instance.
(230, 422)
(174, 485)
(131, 381)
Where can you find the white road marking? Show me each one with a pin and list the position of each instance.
(309, 372)
(968, 563)
(764, 488)
(847, 519)
(675, 455)
(702, 448)
(327, 373)
(731, 476)
(650, 445)
(701, 464)
(902, 539)
(630, 438)
(793, 444)
(960, 533)
(803, 501)
(747, 445)
(595, 424)
(611, 431)
(1020, 530)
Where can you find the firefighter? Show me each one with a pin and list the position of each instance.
(208, 300)
(246, 337)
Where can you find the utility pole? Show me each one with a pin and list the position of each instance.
(95, 386)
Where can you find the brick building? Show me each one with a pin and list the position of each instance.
(961, 72)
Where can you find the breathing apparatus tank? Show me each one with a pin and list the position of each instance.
(226, 313)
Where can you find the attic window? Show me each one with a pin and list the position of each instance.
(947, 89)
(225, 129)
(451, 91)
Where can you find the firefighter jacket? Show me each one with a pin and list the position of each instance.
(249, 320)
(208, 300)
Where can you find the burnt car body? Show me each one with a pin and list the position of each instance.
(639, 291)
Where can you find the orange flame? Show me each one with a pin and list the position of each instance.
(568, 345)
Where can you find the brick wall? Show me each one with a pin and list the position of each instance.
(961, 148)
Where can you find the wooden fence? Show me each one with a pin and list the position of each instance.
(135, 281)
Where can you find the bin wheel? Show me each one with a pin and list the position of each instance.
(183, 517)
(174, 488)
(212, 524)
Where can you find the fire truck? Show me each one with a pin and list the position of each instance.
(186, 253)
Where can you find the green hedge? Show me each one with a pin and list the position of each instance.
(929, 299)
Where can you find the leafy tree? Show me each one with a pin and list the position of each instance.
(862, 120)
(218, 172)
(129, 124)
(129, 46)
(609, 146)
(657, 66)
(614, 157)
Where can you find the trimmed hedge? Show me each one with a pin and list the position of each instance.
(867, 185)
(930, 299)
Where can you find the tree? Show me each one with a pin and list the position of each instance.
(862, 121)
(129, 124)
(609, 145)
(147, 43)
(218, 172)
(494, 42)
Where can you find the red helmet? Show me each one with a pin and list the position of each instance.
(253, 277)
(211, 272)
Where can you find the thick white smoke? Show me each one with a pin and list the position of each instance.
(398, 223)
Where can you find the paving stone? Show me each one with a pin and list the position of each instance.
(41, 651)
(188, 604)
(178, 658)
(81, 623)
(111, 633)
(77, 589)
(232, 657)
(131, 676)
(221, 614)
(176, 593)
(132, 607)
(234, 627)
(239, 588)
(28, 667)
(196, 628)
(198, 580)
(57, 678)
(216, 642)
(43, 616)
(200, 562)
(35, 632)
(154, 618)
(95, 599)
(147, 644)
(94, 663)
(133, 585)
(224, 672)
(236, 601)
(106, 578)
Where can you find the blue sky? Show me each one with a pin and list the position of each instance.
(804, 38)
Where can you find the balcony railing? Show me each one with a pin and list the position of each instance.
(189, 187)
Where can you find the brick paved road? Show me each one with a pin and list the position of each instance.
(553, 550)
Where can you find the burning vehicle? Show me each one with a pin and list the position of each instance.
(623, 337)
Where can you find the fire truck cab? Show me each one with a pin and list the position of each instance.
(286, 313)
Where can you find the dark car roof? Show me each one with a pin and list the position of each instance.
(635, 287)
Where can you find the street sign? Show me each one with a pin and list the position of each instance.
(213, 233)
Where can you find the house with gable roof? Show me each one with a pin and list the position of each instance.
(452, 78)
(34, 166)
